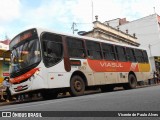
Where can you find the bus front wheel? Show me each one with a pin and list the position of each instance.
(77, 86)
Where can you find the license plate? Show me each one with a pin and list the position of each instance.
(19, 88)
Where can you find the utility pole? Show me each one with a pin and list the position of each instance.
(154, 10)
(73, 27)
(149, 46)
(92, 10)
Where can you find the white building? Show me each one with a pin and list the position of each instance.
(109, 33)
(4, 46)
(147, 30)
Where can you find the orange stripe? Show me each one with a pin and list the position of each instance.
(24, 76)
(112, 66)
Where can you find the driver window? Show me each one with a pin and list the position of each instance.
(52, 49)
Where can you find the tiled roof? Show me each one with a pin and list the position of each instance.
(7, 41)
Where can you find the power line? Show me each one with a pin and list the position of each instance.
(84, 23)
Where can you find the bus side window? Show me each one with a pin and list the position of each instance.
(145, 56)
(52, 48)
(93, 50)
(108, 51)
(121, 53)
(75, 48)
(130, 54)
(139, 56)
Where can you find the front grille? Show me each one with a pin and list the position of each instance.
(20, 81)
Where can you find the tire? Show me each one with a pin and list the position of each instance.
(77, 86)
(49, 94)
(132, 82)
(107, 88)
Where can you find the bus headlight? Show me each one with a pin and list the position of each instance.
(37, 72)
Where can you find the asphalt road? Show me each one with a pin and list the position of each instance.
(140, 99)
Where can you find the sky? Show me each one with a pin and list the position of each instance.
(59, 15)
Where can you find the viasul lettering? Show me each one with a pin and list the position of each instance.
(111, 64)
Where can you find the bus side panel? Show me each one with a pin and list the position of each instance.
(99, 78)
(40, 80)
(113, 71)
(143, 67)
(110, 77)
(57, 77)
(122, 77)
(144, 71)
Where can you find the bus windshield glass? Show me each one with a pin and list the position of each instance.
(24, 54)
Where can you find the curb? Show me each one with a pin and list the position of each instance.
(6, 103)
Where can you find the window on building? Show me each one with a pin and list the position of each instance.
(75, 48)
(108, 52)
(121, 54)
(93, 50)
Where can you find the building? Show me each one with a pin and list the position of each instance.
(116, 22)
(109, 33)
(147, 30)
(4, 68)
(4, 44)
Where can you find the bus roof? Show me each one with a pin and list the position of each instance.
(40, 30)
(87, 38)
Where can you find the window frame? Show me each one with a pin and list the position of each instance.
(120, 56)
(139, 58)
(93, 50)
(83, 54)
(131, 57)
(145, 56)
(48, 38)
(110, 53)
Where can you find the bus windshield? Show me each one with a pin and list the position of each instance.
(25, 55)
(25, 52)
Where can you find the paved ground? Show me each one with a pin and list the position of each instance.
(142, 100)
(3, 103)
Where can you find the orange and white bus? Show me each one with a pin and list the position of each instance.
(50, 62)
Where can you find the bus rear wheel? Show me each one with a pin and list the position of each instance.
(77, 86)
(132, 82)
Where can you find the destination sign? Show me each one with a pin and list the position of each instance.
(24, 36)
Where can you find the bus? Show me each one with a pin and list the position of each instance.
(50, 62)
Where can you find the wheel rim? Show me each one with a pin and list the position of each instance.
(77, 85)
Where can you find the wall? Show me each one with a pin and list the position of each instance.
(148, 33)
